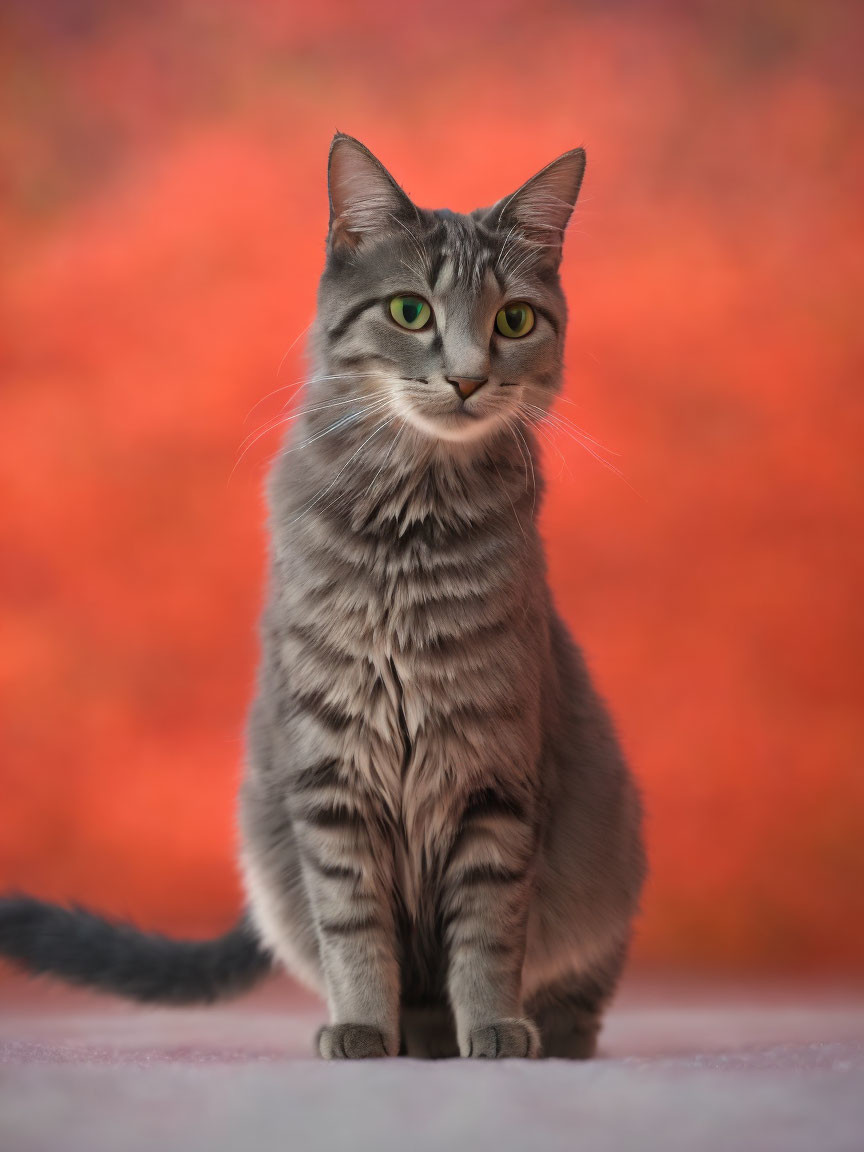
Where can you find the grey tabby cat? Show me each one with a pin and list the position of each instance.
(439, 832)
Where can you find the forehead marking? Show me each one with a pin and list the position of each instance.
(460, 245)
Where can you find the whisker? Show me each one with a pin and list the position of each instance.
(500, 262)
(310, 504)
(560, 426)
(422, 254)
(533, 476)
(298, 384)
(512, 429)
(548, 439)
(282, 418)
(527, 259)
(344, 421)
(606, 463)
(566, 422)
(299, 336)
(396, 439)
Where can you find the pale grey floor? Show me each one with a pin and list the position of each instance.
(683, 1069)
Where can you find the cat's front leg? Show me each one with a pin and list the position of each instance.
(348, 872)
(487, 886)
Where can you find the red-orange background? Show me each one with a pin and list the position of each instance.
(162, 222)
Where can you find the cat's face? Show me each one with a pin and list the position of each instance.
(453, 323)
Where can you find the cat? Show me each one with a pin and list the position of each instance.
(439, 833)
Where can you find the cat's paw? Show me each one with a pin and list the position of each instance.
(351, 1042)
(513, 1038)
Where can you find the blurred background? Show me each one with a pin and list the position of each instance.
(162, 220)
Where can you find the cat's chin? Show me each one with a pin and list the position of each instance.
(457, 427)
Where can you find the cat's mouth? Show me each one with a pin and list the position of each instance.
(460, 415)
(439, 415)
(456, 425)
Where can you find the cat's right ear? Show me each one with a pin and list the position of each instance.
(364, 198)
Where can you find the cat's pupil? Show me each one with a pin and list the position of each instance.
(411, 310)
(514, 318)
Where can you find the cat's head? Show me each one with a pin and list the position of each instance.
(453, 322)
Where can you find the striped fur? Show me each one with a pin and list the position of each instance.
(439, 832)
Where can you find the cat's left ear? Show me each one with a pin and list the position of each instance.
(365, 200)
(540, 210)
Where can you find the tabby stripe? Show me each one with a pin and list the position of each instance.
(309, 636)
(338, 330)
(341, 928)
(332, 871)
(316, 703)
(492, 802)
(488, 874)
(333, 816)
(316, 777)
(548, 317)
(437, 260)
(363, 362)
(485, 634)
(481, 944)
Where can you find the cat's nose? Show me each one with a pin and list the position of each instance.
(467, 385)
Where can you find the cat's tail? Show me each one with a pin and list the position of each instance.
(81, 948)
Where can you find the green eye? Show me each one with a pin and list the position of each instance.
(410, 312)
(515, 320)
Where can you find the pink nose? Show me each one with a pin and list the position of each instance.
(467, 385)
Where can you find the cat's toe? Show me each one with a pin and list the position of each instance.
(504, 1039)
(351, 1042)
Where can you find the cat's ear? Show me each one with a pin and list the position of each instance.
(364, 197)
(540, 210)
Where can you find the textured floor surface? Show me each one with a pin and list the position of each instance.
(681, 1070)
